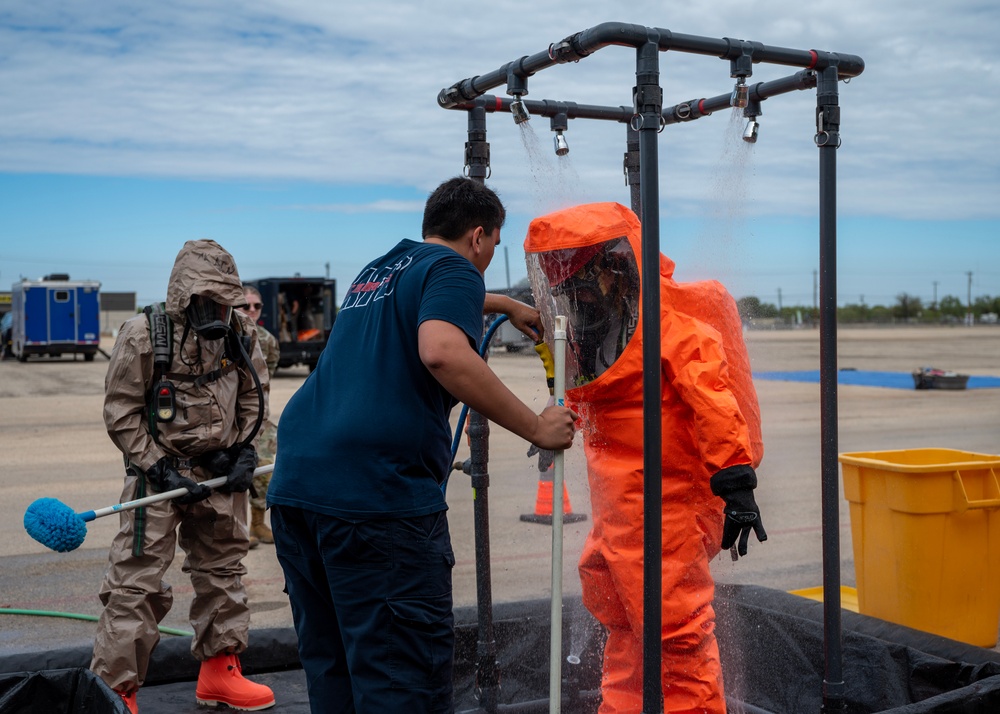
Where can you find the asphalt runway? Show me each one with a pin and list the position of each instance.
(53, 443)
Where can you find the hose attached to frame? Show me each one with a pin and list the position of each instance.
(483, 346)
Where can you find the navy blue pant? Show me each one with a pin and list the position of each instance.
(372, 606)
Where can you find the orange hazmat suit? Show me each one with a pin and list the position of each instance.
(710, 423)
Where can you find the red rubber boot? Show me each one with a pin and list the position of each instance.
(129, 699)
(221, 681)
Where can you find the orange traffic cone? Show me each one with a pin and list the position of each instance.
(543, 503)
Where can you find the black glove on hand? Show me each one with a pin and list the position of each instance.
(240, 477)
(163, 477)
(546, 458)
(735, 486)
(219, 462)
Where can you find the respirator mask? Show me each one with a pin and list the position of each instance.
(209, 319)
(596, 287)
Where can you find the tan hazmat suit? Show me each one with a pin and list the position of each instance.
(211, 414)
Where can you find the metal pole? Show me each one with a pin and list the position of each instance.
(648, 105)
(555, 643)
(506, 265)
(968, 301)
(477, 164)
(828, 140)
(631, 169)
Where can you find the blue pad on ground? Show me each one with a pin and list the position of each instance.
(860, 378)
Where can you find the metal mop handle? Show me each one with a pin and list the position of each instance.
(157, 497)
(555, 645)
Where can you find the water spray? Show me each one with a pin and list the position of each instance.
(573, 682)
(58, 527)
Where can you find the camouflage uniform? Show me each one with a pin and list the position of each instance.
(267, 440)
(269, 346)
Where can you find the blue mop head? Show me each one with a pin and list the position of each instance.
(55, 525)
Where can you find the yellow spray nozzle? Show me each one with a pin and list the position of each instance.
(550, 365)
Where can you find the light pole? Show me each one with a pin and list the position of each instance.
(968, 301)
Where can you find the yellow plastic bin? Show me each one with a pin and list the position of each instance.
(926, 531)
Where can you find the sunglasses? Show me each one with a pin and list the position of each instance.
(254, 305)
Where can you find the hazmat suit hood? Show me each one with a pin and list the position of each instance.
(703, 357)
(583, 263)
(203, 267)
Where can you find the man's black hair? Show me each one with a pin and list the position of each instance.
(459, 205)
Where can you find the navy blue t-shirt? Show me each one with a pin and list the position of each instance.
(367, 435)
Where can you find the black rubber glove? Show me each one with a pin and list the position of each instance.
(162, 476)
(735, 486)
(240, 477)
(546, 458)
(219, 462)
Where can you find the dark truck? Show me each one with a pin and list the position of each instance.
(300, 312)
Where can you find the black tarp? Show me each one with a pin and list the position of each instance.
(57, 691)
(771, 644)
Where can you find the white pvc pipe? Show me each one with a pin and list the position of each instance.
(555, 644)
(157, 497)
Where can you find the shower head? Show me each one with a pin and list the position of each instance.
(519, 111)
(562, 148)
(751, 112)
(558, 123)
(740, 95)
(741, 67)
(517, 87)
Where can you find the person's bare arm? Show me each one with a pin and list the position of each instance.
(447, 354)
(521, 315)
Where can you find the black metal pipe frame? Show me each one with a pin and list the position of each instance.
(487, 664)
(828, 141)
(649, 105)
(682, 112)
(477, 160)
(645, 120)
(584, 43)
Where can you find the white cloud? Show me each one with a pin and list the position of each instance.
(346, 93)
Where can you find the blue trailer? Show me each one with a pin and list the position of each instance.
(55, 316)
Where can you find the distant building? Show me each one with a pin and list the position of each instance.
(116, 308)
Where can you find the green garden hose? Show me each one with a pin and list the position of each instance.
(80, 616)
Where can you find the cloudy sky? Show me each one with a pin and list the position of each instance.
(304, 136)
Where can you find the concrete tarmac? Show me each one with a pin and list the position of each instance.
(53, 443)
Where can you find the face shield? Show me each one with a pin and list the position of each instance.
(597, 288)
(208, 318)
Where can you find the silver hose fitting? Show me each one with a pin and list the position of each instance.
(519, 111)
(562, 148)
(741, 94)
